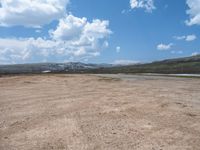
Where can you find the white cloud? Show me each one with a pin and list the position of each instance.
(69, 28)
(125, 62)
(32, 50)
(74, 39)
(148, 5)
(118, 49)
(193, 12)
(187, 38)
(82, 34)
(80, 30)
(177, 52)
(195, 53)
(31, 13)
(164, 46)
(180, 37)
(190, 38)
(26, 50)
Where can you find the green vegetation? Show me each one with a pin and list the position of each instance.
(188, 65)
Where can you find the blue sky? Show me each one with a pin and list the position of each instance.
(98, 31)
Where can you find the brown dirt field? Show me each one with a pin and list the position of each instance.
(87, 112)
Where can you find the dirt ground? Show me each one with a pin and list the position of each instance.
(90, 112)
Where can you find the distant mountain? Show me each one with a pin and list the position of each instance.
(195, 58)
(189, 65)
(46, 68)
(169, 66)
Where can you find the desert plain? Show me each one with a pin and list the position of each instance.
(99, 112)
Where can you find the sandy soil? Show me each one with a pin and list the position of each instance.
(87, 112)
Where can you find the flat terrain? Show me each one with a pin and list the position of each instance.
(99, 112)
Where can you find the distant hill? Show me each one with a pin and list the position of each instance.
(171, 66)
(46, 68)
(189, 65)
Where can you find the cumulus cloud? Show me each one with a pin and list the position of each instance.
(27, 50)
(31, 50)
(187, 38)
(164, 46)
(80, 30)
(193, 12)
(69, 28)
(74, 39)
(31, 13)
(148, 5)
(190, 38)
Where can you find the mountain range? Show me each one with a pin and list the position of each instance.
(169, 66)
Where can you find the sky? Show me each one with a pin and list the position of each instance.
(98, 31)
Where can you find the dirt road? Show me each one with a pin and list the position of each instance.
(87, 112)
